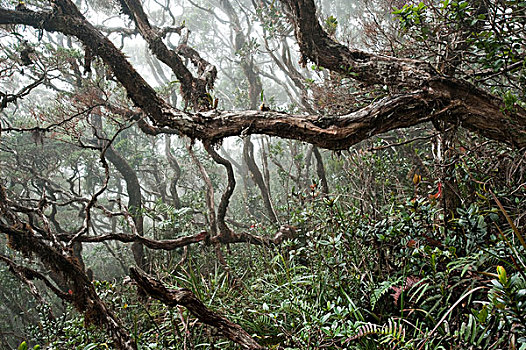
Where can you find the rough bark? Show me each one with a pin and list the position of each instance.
(186, 298)
(427, 95)
(318, 47)
(194, 90)
(462, 101)
(55, 257)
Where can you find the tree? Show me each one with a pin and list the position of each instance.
(431, 95)
(449, 92)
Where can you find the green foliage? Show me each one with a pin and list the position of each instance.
(508, 297)
(382, 288)
(377, 263)
(488, 36)
(273, 20)
(411, 15)
(392, 333)
(390, 276)
(69, 332)
(330, 25)
(24, 346)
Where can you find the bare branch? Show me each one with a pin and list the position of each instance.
(225, 198)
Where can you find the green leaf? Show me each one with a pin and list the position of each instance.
(503, 278)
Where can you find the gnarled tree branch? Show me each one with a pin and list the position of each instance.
(186, 298)
(433, 96)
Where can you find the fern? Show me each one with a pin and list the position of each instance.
(382, 289)
(392, 332)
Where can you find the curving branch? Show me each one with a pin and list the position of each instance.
(430, 96)
(473, 108)
(186, 298)
(194, 90)
(318, 47)
(167, 244)
(225, 198)
(23, 237)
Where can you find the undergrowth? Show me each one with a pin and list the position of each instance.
(344, 283)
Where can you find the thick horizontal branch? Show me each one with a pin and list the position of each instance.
(186, 298)
(477, 110)
(284, 232)
(168, 244)
(457, 102)
(336, 133)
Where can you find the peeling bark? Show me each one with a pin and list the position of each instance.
(430, 95)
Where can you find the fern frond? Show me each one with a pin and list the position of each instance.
(392, 331)
(382, 289)
(365, 330)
